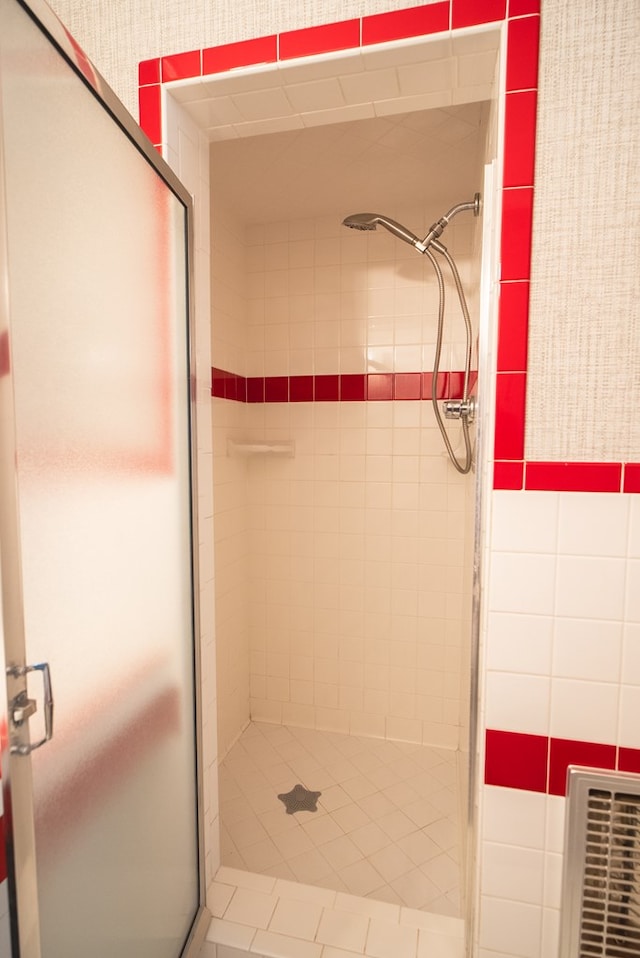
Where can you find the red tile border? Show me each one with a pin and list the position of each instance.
(538, 763)
(327, 38)
(181, 66)
(523, 41)
(515, 760)
(255, 389)
(631, 477)
(564, 752)
(510, 405)
(276, 389)
(379, 386)
(246, 53)
(513, 327)
(469, 13)
(150, 112)
(520, 8)
(520, 138)
(574, 476)
(301, 389)
(442, 392)
(149, 71)
(353, 387)
(326, 388)
(629, 760)
(517, 220)
(508, 475)
(401, 24)
(407, 386)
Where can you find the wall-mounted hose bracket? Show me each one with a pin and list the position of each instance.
(460, 409)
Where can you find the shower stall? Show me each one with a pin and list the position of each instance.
(344, 535)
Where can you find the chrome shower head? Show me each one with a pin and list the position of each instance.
(369, 221)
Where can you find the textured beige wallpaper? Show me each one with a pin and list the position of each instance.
(584, 383)
(584, 352)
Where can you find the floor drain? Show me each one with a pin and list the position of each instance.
(300, 799)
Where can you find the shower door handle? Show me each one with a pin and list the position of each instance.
(22, 707)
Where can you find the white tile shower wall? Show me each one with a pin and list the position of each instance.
(561, 660)
(324, 300)
(187, 153)
(357, 581)
(231, 531)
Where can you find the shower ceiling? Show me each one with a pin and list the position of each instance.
(399, 123)
(418, 159)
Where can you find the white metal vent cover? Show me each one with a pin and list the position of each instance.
(600, 915)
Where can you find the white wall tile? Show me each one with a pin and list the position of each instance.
(522, 583)
(586, 711)
(512, 872)
(632, 586)
(517, 702)
(519, 643)
(514, 817)
(593, 524)
(510, 928)
(524, 521)
(590, 587)
(631, 654)
(587, 649)
(629, 734)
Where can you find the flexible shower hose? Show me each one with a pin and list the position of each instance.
(465, 466)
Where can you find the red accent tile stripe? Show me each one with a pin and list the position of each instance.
(181, 66)
(520, 138)
(563, 752)
(149, 71)
(517, 219)
(230, 56)
(508, 475)
(326, 388)
(538, 763)
(401, 24)
(323, 39)
(514, 760)
(513, 327)
(523, 40)
(631, 477)
(301, 389)
(520, 8)
(629, 759)
(574, 476)
(353, 387)
(510, 406)
(468, 13)
(149, 112)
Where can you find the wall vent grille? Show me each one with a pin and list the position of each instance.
(601, 889)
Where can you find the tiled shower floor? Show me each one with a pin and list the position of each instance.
(386, 825)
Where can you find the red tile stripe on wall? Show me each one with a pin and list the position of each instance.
(356, 387)
(538, 763)
(523, 29)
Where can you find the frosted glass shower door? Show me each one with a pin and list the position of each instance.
(96, 387)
